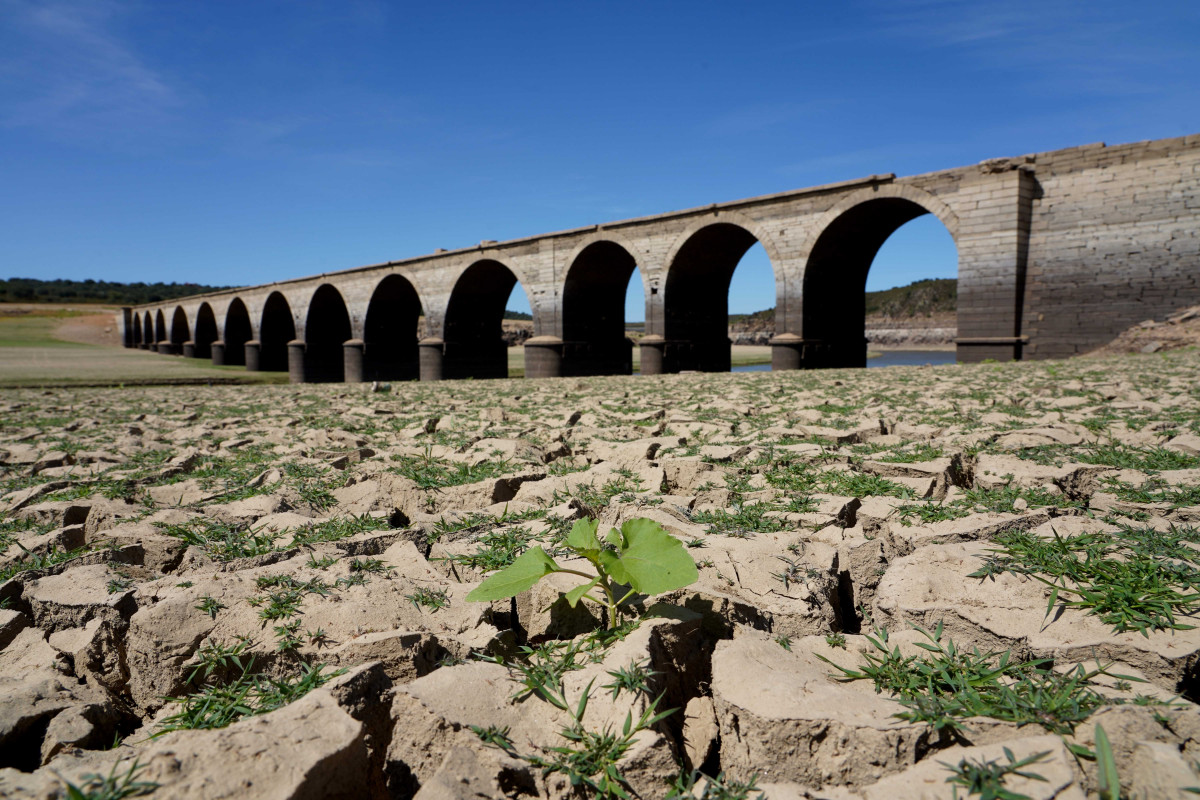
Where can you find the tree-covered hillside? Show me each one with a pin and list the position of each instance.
(32, 290)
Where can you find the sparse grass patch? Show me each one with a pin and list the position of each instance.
(950, 685)
(1137, 579)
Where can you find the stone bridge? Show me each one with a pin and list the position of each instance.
(1057, 253)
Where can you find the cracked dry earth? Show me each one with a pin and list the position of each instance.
(905, 575)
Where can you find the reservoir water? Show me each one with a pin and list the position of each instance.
(891, 358)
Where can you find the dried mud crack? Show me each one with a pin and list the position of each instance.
(909, 579)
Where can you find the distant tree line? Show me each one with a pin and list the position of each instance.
(32, 290)
(918, 299)
(510, 314)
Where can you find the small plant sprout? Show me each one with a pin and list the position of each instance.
(784, 641)
(433, 599)
(112, 786)
(985, 779)
(836, 640)
(210, 605)
(633, 679)
(640, 558)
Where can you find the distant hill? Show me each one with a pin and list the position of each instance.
(918, 299)
(32, 290)
(510, 314)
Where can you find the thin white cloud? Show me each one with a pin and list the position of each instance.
(67, 72)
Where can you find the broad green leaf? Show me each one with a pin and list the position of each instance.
(518, 576)
(652, 560)
(610, 562)
(582, 538)
(613, 537)
(576, 594)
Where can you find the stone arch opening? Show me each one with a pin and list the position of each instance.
(696, 303)
(474, 327)
(276, 329)
(148, 339)
(160, 327)
(180, 330)
(593, 308)
(835, 279)
(237, 332)
(206, 331)
(326, 329)
(390, 331)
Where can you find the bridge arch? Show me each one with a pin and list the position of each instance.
(473, 326)
(206, 331)
(837, 258)
(276, 328)
(326, 330)
(181, 331)
(390, 330)
(148, 339)
(237, 332)
(160, 327)
(694, 315)
(593, 309)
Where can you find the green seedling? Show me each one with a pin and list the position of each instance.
(640, 558)
(1106, 767)
(836, 640)
(111, 786)
(985, 779)
(718, 788)
(433, 599)
(210, 605)
(633, 679)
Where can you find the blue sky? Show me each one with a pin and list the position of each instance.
(244, 142)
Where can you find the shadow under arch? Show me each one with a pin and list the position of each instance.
(180, 330)
(390, 331)
(206, 331)
(326, 329)
(237, 332)
(147, 331)
(834, 283)
(593, 308)
(473, 330)
(160, 327)
(696, 301)
(276, 328)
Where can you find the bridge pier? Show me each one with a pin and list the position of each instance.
(543, 357)
(653, 354)
(168, 348)
(218, 353)
(253, 355)
(787, 351)
(189, 349)
(431, 353)
(973, 349)
(353, 358)
(297, 368)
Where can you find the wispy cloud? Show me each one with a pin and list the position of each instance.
(66, 72)
(1052, 41)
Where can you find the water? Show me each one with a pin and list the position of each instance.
(892, 358)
